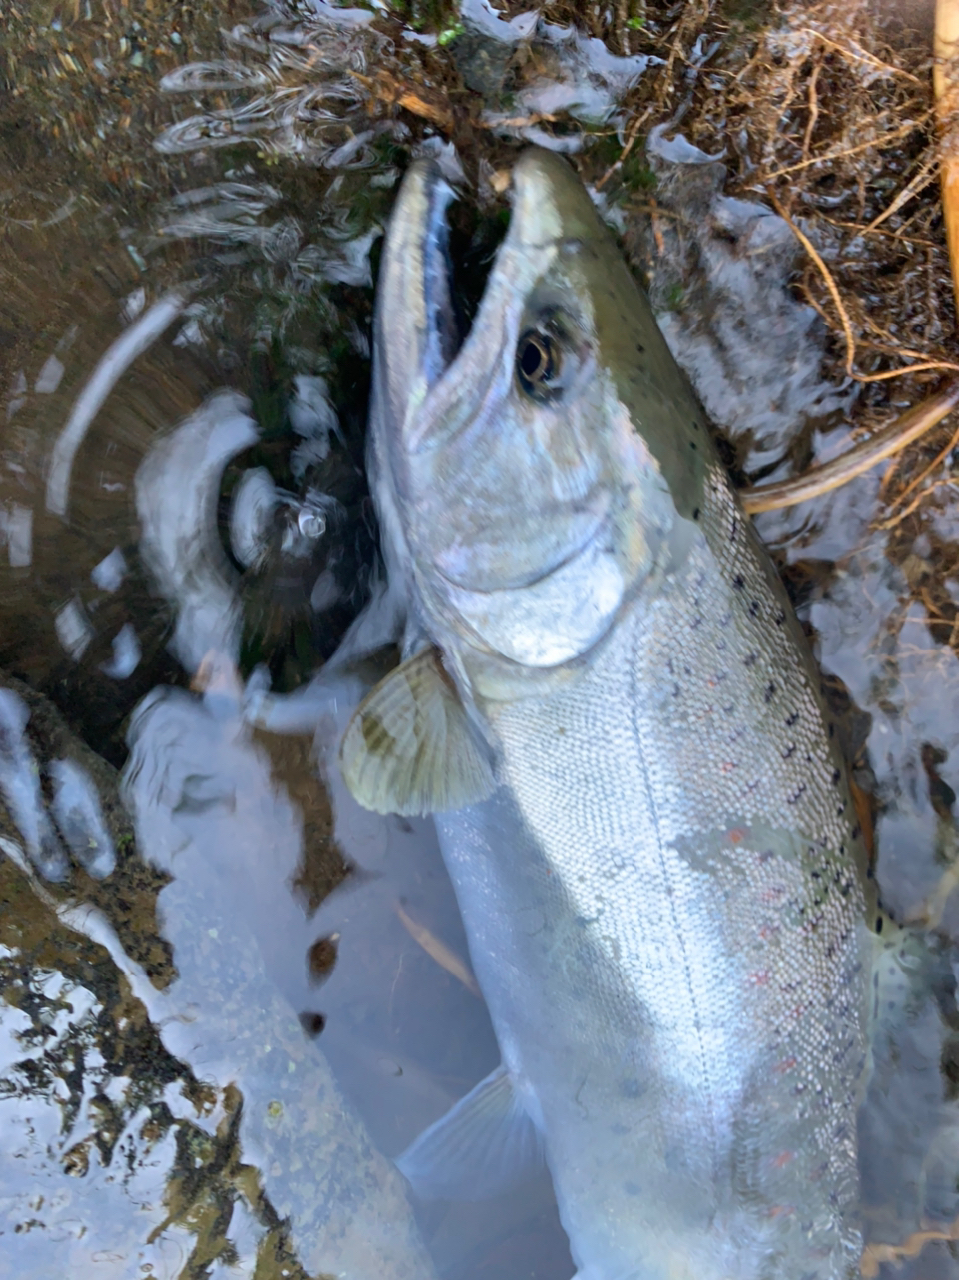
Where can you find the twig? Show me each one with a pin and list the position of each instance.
(518, 122)
(944, 78)
(420, 101)
(813, 252)
(630, 142)
(818, 480)
(875, 1254)
(946, 366)
(862, 56)
(910, 126)
(922, 178)
(886, 374)
(437, 950)
(917, 501)
(813, 110)
(940, 457)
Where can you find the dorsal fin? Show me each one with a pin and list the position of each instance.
(410, 747)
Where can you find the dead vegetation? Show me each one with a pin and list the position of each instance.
(823, 110)
(827, 114)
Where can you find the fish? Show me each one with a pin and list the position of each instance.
(608, 705)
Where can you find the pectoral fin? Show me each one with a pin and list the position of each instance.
(485, 1145)
(410, 747)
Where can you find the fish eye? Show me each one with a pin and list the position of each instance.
(538, 362)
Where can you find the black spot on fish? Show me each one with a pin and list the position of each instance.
(695, 426)
(789, 751)
(312, 1023)
(695, 513)
(836, 775)
(791, 720)
(692, 444)
(750, 659)
(832, 729)
(878, 927)
(754, 608)
(676, 691)
(856, 831)
(739, 582)
(797, 795)
(770, 691)
(840, 811)
(640, 348)
(733, 529)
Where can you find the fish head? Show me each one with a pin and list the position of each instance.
(541, 474)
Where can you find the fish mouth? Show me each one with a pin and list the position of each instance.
(438, 300)
(511, 548)
(433, 276)
(487, 548)
(419, 342)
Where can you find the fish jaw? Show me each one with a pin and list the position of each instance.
(414, 338)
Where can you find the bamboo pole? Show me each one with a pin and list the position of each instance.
(817, 480)
(945, 82)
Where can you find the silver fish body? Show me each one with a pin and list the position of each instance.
(660, 874)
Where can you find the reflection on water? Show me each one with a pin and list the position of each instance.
(229, 994)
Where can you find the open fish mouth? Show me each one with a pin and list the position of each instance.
(492, 543)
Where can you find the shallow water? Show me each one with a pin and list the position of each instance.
(220, 1023)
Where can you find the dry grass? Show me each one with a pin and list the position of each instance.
(829, 121)
(826, 113)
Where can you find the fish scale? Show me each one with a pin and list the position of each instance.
(646, 820)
